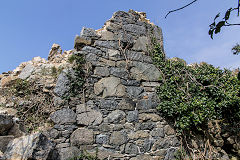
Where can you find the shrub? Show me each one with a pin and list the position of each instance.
(191, 96)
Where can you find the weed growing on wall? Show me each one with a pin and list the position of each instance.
(78, 78)
(192, 95)
(86, 156)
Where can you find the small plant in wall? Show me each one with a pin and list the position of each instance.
(84, 155)
(77, 79)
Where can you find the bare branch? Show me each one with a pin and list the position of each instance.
(232, 25)
(229, 24)
(181, 8)
(238, 6)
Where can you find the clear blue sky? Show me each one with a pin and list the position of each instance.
(28, 28)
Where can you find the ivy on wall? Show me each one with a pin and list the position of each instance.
(192, 95)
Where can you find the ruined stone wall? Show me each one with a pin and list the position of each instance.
(115, 113)
(119, 116)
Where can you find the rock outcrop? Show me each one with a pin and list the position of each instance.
(9, 128)
(34, 146)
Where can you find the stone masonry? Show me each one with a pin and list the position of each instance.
(119, 116)
(114, 115)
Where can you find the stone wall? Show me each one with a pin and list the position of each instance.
(118, 116)
(114, 115)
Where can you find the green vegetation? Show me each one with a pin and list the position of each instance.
(31, 102)
(21, 87)
(77, 79)
(56, 71)
(75, 58)
(86, 156)
(181, 154)
(216, 26)
(219, 23)
(190, 96)
(236, 49)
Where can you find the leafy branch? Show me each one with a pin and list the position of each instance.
(236, 49)
(215, 27)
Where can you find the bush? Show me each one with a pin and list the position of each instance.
(192, 95)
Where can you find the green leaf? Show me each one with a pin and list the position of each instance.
(212, 25)
(238, 76)
(227, 14)
(186, 102)
(216, 16)
(220, 24)
(211, 33)
(236, 49)
(217, 30)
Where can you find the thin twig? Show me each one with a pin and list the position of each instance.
(229, 24)
(238, 6)
(180, 8)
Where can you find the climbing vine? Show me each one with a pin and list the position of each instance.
(192, 95)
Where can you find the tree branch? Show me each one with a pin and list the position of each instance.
(181, 8)
(237, 24)
(229, 24)
(238, 6)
